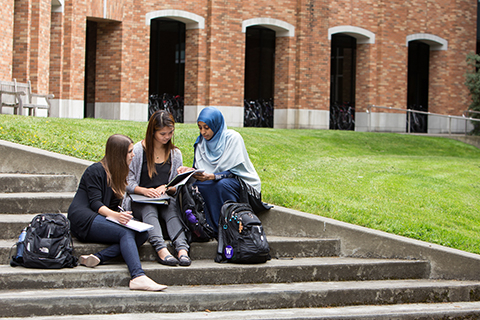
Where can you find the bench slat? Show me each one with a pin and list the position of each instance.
(11, 96)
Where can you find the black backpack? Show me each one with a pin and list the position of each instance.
(191, 209)
(47, 244)
(241, 238)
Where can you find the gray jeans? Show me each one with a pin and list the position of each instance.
(151, 213)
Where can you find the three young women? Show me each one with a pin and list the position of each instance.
(155, 164)
(99, 195)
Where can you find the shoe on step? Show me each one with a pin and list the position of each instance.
(168, 260)
(146, 284)
(184, 260)
(89, 261)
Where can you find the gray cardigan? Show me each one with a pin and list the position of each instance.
(133, 178)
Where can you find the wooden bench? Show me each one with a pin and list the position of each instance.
(19, 96)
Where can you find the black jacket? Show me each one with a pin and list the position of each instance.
(93, 192)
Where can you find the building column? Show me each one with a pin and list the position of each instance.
(32, 43)
(196, 81)
(6, 36)
(284, 91)
(226, 61)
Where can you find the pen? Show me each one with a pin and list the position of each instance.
(123, 210)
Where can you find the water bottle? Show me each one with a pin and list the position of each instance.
(190, 217)
(20, 245)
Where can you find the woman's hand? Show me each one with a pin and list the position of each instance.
(203, 176)
(124, 217)
(183, 169)
(154, 192)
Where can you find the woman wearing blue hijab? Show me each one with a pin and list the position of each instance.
(222, 154)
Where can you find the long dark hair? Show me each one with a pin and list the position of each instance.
(159, 120)
(115, 162)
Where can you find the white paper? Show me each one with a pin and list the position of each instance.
(134, 225)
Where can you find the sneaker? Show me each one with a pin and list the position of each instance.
(89, 261)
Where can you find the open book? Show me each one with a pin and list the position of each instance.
(182, 178)
(134, 225)
(179, 180)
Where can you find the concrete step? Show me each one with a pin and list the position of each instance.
(12, 224)
(31, 202)
(20, 182)
(411, 311)
(280, 247)
(208, 272)
(178, 299)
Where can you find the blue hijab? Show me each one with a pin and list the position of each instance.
(216, 145)
(225, 151)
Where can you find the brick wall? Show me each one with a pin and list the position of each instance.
(6, 39)
(56, 54)
(21, 40)
(52, 46)
(40, 45)
(313, 55)
(73, 41)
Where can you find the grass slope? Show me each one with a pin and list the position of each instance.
(421, 187)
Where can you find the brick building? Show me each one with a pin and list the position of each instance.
(104, 58)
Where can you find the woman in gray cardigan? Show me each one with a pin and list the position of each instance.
(155, 164)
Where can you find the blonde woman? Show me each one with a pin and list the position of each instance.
(99, 195)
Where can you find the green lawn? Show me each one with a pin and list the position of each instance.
(425, 188)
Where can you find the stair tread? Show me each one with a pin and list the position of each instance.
(15, 218)
(17, 195)
(10, 242)
(208, 272)
(233, 297)
(20, 175)
(211, 265)
(234, 289)
(413, 310)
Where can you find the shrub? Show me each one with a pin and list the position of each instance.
(473, 84)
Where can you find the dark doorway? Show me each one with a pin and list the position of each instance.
(342, 86)
(90, 69)
(167, 66)
(417, 88)
(259, 77)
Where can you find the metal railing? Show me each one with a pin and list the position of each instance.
(463, 117)
(465, 114)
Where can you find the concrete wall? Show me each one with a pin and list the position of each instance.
(15, 158)
(446, 263)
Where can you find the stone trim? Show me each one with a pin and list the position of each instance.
(363, 36)
(191, 20)
(435, 42)
(282, 28)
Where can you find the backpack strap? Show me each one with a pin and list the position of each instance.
(181, 215)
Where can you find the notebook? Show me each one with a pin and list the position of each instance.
(179, 180)
(134, 225)
(143, 199)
